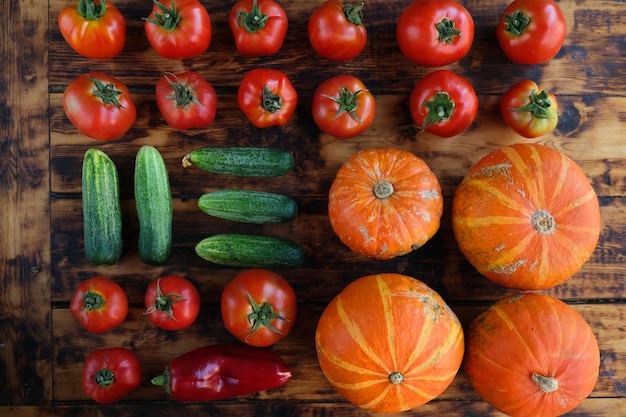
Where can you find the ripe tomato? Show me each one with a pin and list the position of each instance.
(93, 29)
(172, 302)
(186, 100)
(258, 307)
(99, 304)
(435, 33)
(259, 27)
(529, 110)
(267, 97)
(99, 105)
(443, 103)
(111, 374)
(336, 30)
(531, 31)
(343, 107)
(179, 29)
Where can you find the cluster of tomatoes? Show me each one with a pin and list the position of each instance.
(258, 307)
(431, 33)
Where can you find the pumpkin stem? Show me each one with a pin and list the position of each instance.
(383, 189)
(543, 222)
(396, 378)
(547, 384)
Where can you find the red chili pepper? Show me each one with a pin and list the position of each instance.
(222, 371)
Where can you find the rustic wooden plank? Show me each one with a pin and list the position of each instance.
(582, 67)
(25, 350)
(155, 347)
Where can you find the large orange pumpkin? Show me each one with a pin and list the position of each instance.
(389, 343)
(532, 355)
(385, 203)
(526, 217)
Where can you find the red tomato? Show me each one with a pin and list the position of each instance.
(435, 33)
(531, 31)
(529, 110)
(343, 107)
(267, 97)
(259, 27)
(172, 302)
(99, 105)
(186, 100)
(179, 29)
(111, 374)
(94, 29)
(99, 304)
(336, 30)
(443, 103)
(258, 307)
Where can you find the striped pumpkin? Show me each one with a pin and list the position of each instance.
(532, 355)
(526, 217)
(389, 343)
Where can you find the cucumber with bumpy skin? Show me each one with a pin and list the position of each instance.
(153, 200)
(249, 206)
(102, 215)
(242, 161)
(251, 251)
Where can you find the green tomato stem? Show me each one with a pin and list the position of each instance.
(270, 101)
(92, 301)
(262, 316)
(440, 108)
(254, 20)
(354, 14)
(447, 31)
(347, 103)
(90, 10)
(104, 377)
(538, 106)
(106, 92)
(516, 23)
(169, 18)
(183, 95)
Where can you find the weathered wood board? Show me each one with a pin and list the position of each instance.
(42, 347)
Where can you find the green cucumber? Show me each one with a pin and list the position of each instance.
(251, 251)
(153, 199)
(249, 206)
(242, 161)
(102, 214)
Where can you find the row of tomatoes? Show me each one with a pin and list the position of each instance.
(258, 307)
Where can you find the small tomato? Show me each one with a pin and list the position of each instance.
(172, 302)
(336, 30)
(258, 307)
(186, 100)
(443, 103)
(529, 110)
(110, 374)
(258, 26)
(99, 105)
(93, 29)
(267, 97)
(343, 107)
(99, 304)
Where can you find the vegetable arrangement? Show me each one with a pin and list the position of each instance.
(383, 203)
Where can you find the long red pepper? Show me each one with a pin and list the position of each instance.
(222, 371)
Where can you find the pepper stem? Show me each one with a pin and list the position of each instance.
(538, 106)
(254, 20)
(163, 380)
(354, 14)
(516, 23)
(90, 10)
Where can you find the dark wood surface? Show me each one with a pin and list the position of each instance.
(42, 347)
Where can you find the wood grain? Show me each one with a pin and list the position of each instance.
(42, 347)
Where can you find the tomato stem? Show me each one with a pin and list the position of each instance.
(254, 20)
(440, 108)
(447, 31)
(262, 316)
(347, 103)
(516, 23)
(169, 19)
(183, 95)
(104, 377)
(90, 10)
(106, 92)
(354, 14)
(92, 301)
(270, 101)
(538, 106)
(164, 303)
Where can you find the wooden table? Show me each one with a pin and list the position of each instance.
(42, 347)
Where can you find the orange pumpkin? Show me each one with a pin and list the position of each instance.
(526, 217)
(385, 203)
(532, 355)
(389, 343)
